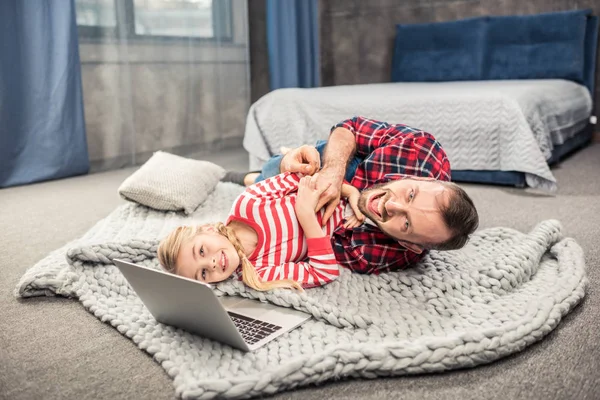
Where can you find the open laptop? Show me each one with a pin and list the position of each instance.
(193, 306)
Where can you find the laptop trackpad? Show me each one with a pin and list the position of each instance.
(230, 301)
(263, 311)
(252, 308)
(248, 307)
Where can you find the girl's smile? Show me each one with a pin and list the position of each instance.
(208, 257)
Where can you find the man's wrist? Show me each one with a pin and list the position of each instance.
(335, 170)
(339, 151)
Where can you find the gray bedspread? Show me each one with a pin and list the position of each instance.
(484, 125)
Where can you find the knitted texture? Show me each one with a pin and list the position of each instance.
(504, 291)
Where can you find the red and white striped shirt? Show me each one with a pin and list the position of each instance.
(283, 252)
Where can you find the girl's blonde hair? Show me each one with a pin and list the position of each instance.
(169, 247)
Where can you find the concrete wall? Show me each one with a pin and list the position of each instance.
(185, 97)
(259, 53)
(357, 36)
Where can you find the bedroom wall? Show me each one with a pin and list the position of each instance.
(357, 36)
(259, 56)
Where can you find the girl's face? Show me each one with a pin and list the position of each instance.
(207, 257)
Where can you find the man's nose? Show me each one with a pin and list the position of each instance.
(393, 207)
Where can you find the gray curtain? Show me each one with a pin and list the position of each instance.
(167, 75)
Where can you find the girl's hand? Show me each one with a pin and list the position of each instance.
(352, 222)
(352, 194)
(308, 194)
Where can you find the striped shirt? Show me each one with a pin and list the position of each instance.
(283, 252)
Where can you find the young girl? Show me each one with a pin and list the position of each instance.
(272, 239)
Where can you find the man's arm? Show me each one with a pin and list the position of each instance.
(305, 159)
(393, 151)
(340, 149)
(379, 141)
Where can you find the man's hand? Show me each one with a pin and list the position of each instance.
(304, 159)
(331, 179)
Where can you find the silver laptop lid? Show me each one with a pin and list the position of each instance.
(181, 302)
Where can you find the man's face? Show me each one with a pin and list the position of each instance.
(408, 210)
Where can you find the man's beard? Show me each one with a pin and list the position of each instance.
(362, 203)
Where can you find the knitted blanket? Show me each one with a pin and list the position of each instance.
(504, 291)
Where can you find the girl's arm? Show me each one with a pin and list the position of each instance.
(352, 194)
(306, 201)
(275, 187)
(320, 269)
(349, 190)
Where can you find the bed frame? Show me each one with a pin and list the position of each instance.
(515, 178)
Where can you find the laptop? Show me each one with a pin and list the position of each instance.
(193, 306)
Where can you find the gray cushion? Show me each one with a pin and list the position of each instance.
(172, 183)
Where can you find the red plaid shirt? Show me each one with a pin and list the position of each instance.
(389, 152)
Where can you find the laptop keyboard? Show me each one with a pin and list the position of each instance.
(252, 330)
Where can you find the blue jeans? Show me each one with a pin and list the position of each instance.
(271, 167)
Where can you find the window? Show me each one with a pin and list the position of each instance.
(142, 19)
(96, 13)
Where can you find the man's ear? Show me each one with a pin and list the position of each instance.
(415, 248)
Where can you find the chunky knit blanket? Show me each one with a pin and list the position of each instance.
(504, 291)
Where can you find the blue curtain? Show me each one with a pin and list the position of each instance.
(292, 37)
(42, 129)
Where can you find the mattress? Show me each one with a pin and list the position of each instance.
(509, 125)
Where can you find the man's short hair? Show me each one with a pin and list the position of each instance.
(460, 216)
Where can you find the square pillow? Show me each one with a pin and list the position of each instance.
(172, 183)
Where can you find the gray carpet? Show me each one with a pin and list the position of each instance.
(53, 348)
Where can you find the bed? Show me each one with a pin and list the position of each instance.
(505, 107)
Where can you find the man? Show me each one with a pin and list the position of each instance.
(406, 194)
